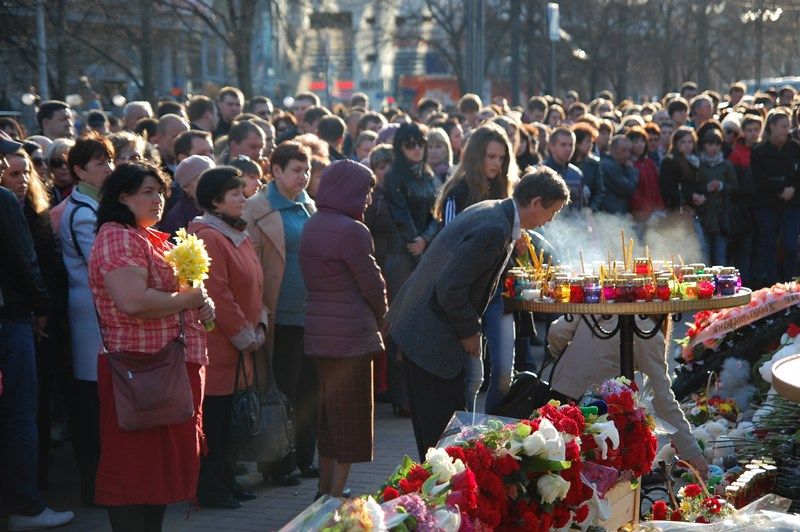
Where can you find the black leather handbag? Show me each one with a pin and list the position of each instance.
(245, 418)
(527, 393)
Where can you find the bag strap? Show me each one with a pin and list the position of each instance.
(181, 333)
(73, 234)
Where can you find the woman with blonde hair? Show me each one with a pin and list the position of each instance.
(440, 153)
(23, 180)
(487, 171)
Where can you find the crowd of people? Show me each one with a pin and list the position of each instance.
(315, 219)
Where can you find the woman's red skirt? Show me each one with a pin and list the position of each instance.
(155, 466)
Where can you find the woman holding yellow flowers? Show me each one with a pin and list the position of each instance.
(141, 306)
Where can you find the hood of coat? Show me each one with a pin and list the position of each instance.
(344, 187)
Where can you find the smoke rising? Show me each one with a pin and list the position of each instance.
(597, 233)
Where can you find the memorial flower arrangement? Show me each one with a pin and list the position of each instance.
(696, 505)
(544, 473)
(637, 442)
(710, 408)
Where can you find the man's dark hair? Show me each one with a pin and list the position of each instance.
(368, 117)
(331, 129)
(209, 190)
(469, 103)
(88, 147)
(259, 100)
(737, 87)
(199, 106)
(169, 107)
(48, 109)
(688, 85)
(427, 104)
(309, 96)
(126, 179)
(230, 91)
(183, 142)
(542, 182)
(288, 151)
(359, 99)
(677, 105)
(241, 130)
(96, 118)
(146, 127)
(537, 103)
(314, 114)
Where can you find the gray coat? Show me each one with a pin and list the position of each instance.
(444, 299)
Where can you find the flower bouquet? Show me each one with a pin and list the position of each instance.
(190, 261)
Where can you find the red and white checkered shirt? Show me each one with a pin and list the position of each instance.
(117, 246)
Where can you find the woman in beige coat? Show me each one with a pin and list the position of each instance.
(275, 217)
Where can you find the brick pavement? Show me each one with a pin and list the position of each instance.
(274, 507)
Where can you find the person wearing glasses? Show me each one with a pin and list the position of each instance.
(411, 190)
(58, 176)
(128, 148)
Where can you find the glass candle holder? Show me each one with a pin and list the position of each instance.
(609, 291)
(561, 290)
(705, 286)
(641, 266)
(576, 291)
(727, 282)
(663, 290)
(689, 289)
(591, 290)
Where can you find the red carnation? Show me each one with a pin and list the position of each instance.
(455, 452)
(713, 505)
(464, 492)
(389, 493)
(692, 490)
(581, 513)
(660, 510)
(676, 515)
(701, 519)
(505, 466)
(561, 515)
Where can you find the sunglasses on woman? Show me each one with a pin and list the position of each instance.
(58, 163)
(412, 144)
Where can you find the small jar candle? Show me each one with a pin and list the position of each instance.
(628, 294)
(698, 267)
(689, 287)
(726, 282)
(738, 279)
(591, 290)
(685, 270)
(561, 291)
(609, 291)
(641, 266)
(663, 290)
(576, 290)
(705, 286)
(639, 293)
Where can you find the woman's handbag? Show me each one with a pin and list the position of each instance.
(151, 390)
(245, 417)
(275, 438)
(527, 393)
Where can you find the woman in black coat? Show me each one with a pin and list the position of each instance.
(410, 194)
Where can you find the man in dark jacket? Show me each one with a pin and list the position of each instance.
(436, 317)
(560, 149)
(619, 176)
(22, 316)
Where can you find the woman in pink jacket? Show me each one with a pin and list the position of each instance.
(345, 307)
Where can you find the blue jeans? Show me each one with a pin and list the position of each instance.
(717, 249)
(770, 226)
(498, 328)
(18, 435)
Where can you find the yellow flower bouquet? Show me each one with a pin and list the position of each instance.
(190, 261)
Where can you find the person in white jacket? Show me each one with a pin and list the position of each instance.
(587, 361)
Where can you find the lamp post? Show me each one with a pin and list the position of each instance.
(554, 33)
(41, 51)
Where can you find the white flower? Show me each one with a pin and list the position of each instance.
(602, 432)
(376, 515)
(442, 465)
(552, 487)
(554, 442)
(534, 444)
(515, 448)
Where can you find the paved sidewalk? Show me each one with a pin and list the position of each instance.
(274, 507)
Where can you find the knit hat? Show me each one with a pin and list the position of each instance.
(190, 169)
(214, 182)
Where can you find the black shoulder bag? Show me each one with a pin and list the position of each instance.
(527, 392)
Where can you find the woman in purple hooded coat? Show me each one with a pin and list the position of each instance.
(344, 311)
